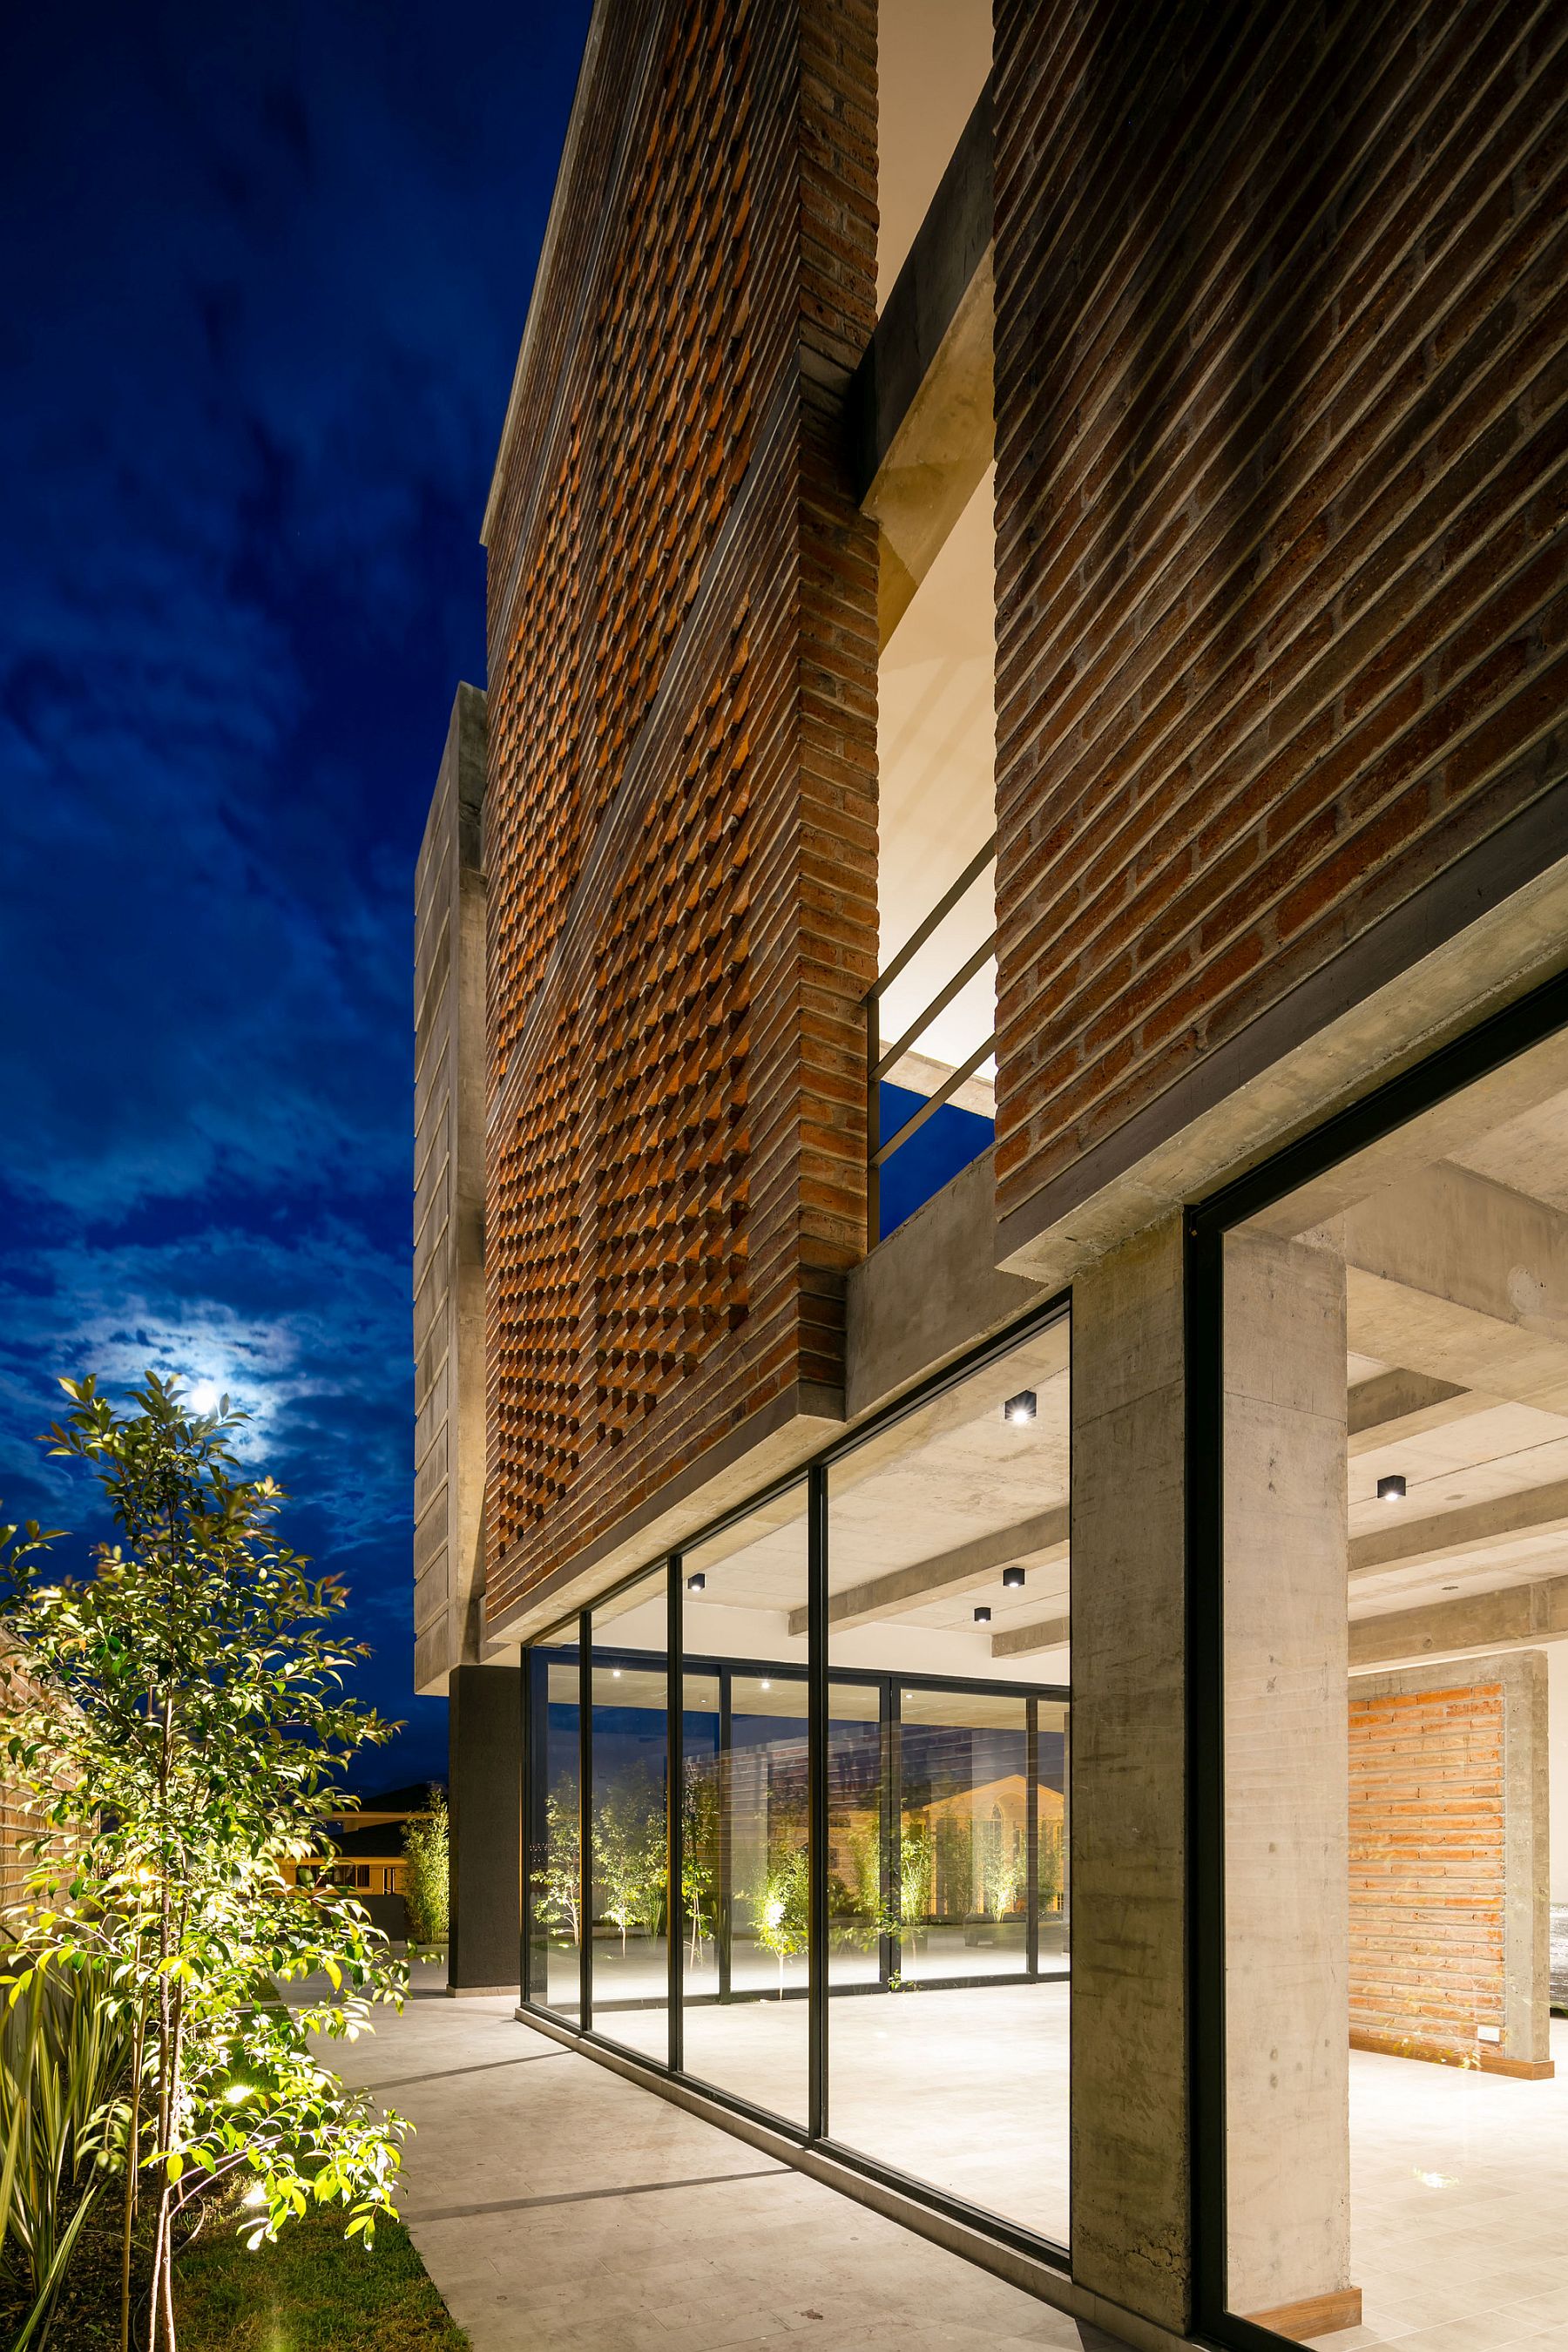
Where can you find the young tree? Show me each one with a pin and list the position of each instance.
(183, 1755)
(428, 1870)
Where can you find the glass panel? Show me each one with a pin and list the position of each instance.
(703, 1861)
(948, 1575)
(857, 1836)
(555, 1941)
(745, 1601)
(630, 1910)
(1394, 1459)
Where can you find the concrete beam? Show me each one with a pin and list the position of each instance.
(1534, 1510)
(1399, 1403)
(922, 405)
(1463, 1280)
(1512, 1619)
(1019, 1641)
(1030, 1541)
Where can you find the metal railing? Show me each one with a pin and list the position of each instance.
(879, 1064)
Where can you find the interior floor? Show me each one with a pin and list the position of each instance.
(1458, 2178)
(1458, 2185)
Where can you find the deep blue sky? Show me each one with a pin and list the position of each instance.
(267, 267)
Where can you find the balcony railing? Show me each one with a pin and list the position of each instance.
(881, 1062)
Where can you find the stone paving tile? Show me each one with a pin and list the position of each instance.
(619, 2224)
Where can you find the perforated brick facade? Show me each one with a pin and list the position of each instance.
(680, 804)
(1280, 372)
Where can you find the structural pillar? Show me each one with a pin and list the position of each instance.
(1132, 2231)
(1287, 1787)
(484, 1733)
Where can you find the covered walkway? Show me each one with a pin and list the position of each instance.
(560, 2208)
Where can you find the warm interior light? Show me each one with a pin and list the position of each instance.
(1020, 1407)
(1392, 1488)
(982, 1616)
(615, 1673)
(697, 1583)
(767, 1686)
(1012, 1579)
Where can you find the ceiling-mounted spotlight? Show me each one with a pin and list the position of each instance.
(982, 1616)
(1020, 1407)
(1011, 1580)
(1392, 1488)
(697, 1583)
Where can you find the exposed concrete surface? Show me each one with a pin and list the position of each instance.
(1287, 1787)
(485, 1781)
(560, 2208)
(1130, 2188)
(928, 1291)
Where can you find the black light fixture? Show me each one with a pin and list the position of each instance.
(1392, 1488)
(982, 1616)
(697, 1583)
(1020, 1407)
(1011, 1580)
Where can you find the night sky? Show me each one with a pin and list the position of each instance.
(267, 267)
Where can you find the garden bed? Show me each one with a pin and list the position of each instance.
(312, 2291)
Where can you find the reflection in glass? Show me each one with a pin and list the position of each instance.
(745, 2012)
(857, 1836)
(558, 1874)
(629, 1906)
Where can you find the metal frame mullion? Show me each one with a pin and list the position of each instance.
(725, 1925)
(1032, 1834)
(816, 1799)
(525, 1781)
(675, 1782)
(585, 1820)
(887, 1952)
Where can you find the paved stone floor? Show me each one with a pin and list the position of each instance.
(562, 2209)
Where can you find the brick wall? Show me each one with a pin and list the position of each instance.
(449, 1206)
(1282, 575)
(1449, 1862)
(1427, 1869)
(680, 803)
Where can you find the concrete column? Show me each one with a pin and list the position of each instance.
(1287, 1787)
(1129, 2173)
(485, 1753)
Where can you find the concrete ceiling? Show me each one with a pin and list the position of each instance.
(1456, 1245)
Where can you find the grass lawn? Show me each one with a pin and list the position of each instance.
(310, 2293)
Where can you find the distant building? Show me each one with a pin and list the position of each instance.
(991, 1228)
(367, 1856)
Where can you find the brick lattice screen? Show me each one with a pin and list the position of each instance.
(1428, 1869)
(1281, 366)
(680, 821)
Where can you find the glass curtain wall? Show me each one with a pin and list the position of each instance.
(948, 1565)
(628, 1904)
(745, 2023)
(831, 1882)
(1391, 1408)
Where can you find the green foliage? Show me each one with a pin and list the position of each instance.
(916, 1866)
(561, 1881)
(954, 1866)
(427, 1872)
(630, 1856)
(65, 2055)
(1050, 1865)
(782, 1904)
(183, 1755)
(700, 1851)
